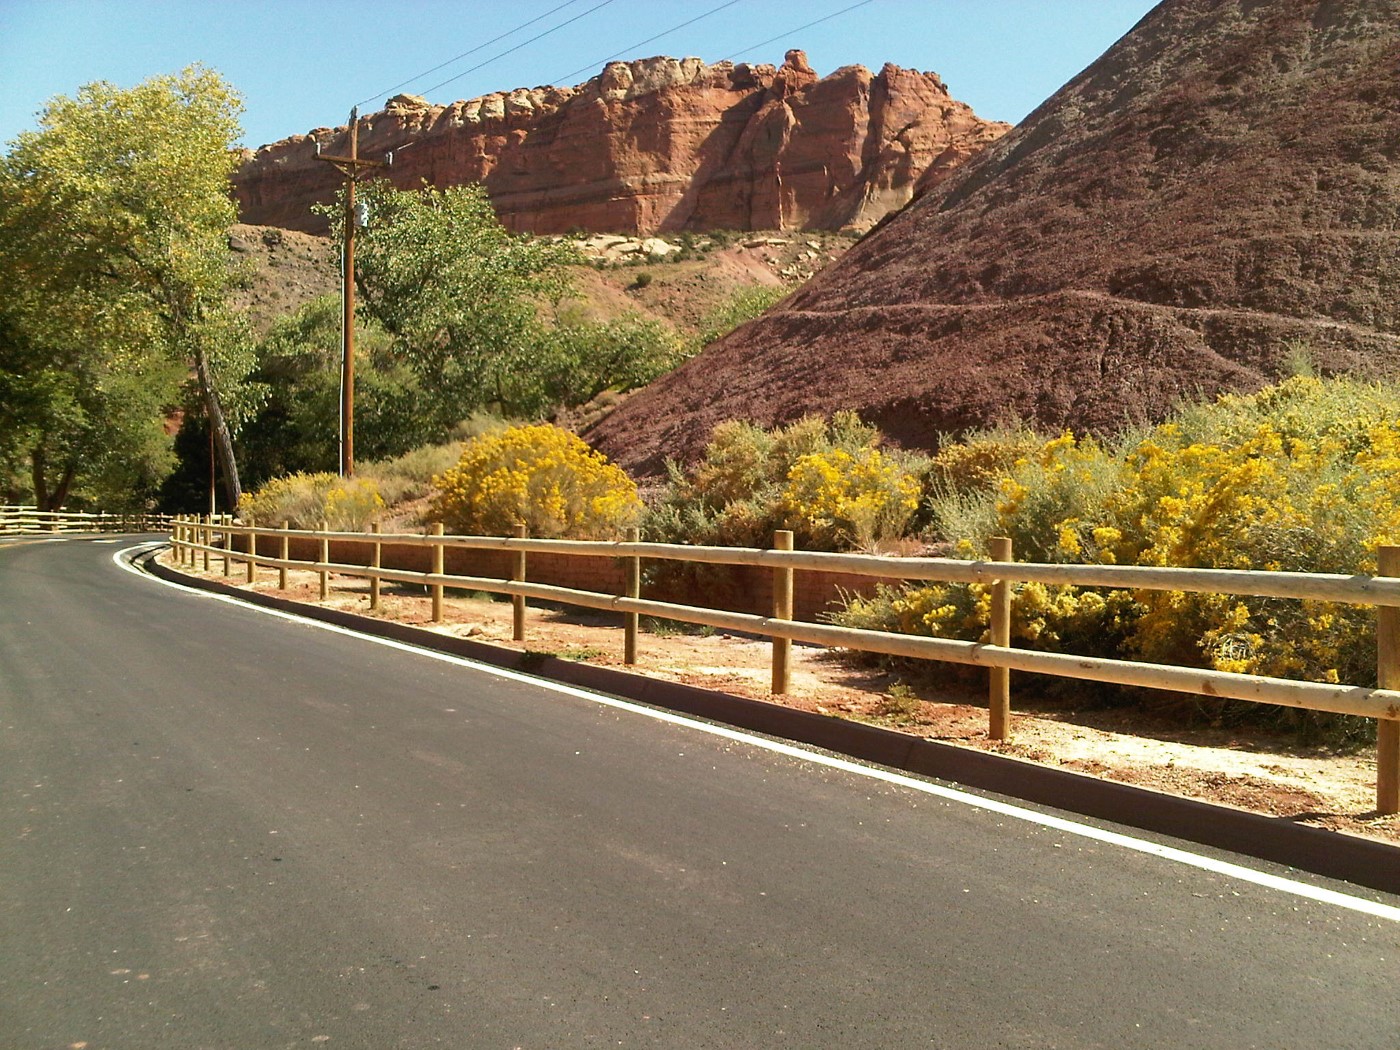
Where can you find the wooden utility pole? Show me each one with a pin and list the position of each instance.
(349, 167)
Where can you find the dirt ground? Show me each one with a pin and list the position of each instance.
(1248, 770)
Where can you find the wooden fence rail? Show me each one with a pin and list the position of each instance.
(20, 519)
(190, 535)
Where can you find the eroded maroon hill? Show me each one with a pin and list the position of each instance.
(1220, 190)
(654, 145)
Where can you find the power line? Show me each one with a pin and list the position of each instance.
(464, 54)
(632, 49)
(517, 47)
(788, 33)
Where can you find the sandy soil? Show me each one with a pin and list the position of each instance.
(1248, 770)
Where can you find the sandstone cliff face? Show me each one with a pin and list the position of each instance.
(656, 145)
(1220, 188)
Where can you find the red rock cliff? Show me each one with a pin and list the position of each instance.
(654, 145)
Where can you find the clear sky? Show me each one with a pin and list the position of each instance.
(301, 64)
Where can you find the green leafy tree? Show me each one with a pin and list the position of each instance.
(113, 219)
(62, 409)
(743, 305)
(582, 359)
(297, 426)
(458, 294)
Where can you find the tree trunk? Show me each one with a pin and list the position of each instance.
(44, 497)
(38, 463)
(60, 495)
(223, 441)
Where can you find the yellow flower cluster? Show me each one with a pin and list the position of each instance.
(1289, 492)
(862, 498)
(1302, 476)
(542, 476)
(1041, 617)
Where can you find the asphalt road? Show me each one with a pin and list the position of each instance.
(219, 828)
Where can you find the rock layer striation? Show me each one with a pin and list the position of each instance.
(656, 145)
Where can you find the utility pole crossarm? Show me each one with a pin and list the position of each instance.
(350, 162)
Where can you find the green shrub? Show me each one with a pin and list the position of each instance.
(827, 481)
(307, 500)
(979, 460)
(541, 476)
(743, 304)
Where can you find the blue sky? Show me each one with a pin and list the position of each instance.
(301, 64)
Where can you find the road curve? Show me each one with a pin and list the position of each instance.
(223, 829)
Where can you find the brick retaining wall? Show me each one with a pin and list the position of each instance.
(738, 588)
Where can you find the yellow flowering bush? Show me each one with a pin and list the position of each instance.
(979, 460)
(1045, 618)
(307, 500)
(838, 498)
(827, 480)
(1302, 476)
(543, 476)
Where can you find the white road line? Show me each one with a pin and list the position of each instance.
(1069, 827)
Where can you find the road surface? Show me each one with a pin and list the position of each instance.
(222, 828)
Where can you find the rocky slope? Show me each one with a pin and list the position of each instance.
(1219, 189)
(656, 145)
(681, 283)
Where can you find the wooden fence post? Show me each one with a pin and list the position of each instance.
(225, 521)
(325, 559)
(517, 601)
(374, 563)
(252, 552)
(208, 533)
(286, 554)
(438, 564)
(782, 610)
(634, 590)
(1388, 677)
(999, 698)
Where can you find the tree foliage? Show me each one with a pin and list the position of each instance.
(297, 426)
(743, 305)
(580, 359)
(458, 295)
(113, 217)
(473, 310)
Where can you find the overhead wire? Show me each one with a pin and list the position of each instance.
(570, 21)
(787, 33)
(517, 47)
(464, 54)
(643, 43)
(567, 22)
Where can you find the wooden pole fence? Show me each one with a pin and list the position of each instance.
(1382, 590)
(782, 610)
(999, 700)
(376, 553)
(437, 571)
(517, 575)
(632, 621)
